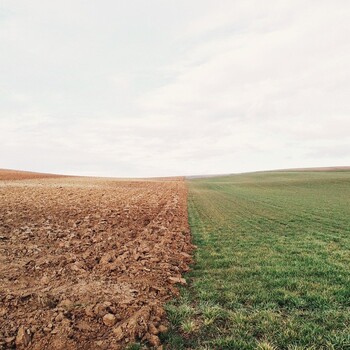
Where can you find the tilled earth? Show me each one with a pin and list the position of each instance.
(22, 175)
(88, 263)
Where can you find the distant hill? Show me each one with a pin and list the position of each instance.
(334, 168)
(9, 174)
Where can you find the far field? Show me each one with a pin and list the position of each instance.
(272, 264)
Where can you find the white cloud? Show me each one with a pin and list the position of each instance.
(183, 88)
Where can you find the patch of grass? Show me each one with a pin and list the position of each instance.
(189, 326)
(180, 313)
(272, 264)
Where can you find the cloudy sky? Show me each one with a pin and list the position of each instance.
(177, 87)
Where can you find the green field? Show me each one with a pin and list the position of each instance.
(272, 264)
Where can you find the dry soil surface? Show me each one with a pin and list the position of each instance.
(87, 263)
(6, 174)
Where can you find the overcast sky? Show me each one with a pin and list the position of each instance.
(176, 87)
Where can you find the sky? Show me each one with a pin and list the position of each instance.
(161, 88)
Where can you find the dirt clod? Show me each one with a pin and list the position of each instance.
(109, 320)
(153, 339)
(153, 329)
(23, 337)
(162, 329)
(177, 280)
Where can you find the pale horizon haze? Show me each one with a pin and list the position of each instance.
(164, 88)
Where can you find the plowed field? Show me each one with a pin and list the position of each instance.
(23, 175)
(87, 263)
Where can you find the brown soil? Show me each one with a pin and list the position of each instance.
(88, 263)
(6, 174)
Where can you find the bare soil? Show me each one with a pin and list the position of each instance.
(6, 174)
(88, 263)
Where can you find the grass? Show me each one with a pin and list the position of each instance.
(272, 264)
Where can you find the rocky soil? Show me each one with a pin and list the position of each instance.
(88, 263)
